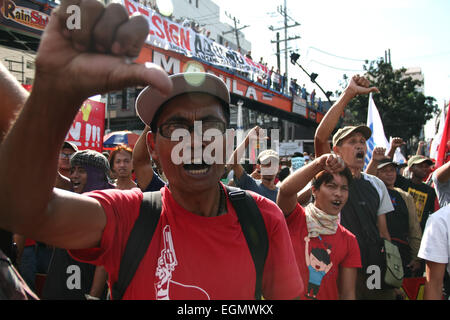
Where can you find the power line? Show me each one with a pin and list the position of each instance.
(336, 56)
(282, 10)
(336, 68)
(432, 55)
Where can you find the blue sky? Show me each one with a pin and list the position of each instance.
(337, 35)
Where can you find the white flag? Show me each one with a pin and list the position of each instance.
(378, 138)
(437, 138)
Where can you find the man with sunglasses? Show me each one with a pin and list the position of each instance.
(63, 176)
(67, 150)
(198, 250)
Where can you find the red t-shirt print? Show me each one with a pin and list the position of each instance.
(327, 254)
(167, 263)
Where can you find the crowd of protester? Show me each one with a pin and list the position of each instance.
(320, 219)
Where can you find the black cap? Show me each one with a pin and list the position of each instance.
(383, 163)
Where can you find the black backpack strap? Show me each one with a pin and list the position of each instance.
(254, 229)
(138, 241)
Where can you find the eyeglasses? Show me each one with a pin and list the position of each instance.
(65, 155)
(168, 130)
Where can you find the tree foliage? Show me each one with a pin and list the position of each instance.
(403, 110)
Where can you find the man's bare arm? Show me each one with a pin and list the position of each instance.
(13, 98)
(434, 280)
(443, 173)
(357, 85)
(420, 147)
(238, 153)
(71, 65)
(142, 163)
(98, 282)
(382, 227)
(347, 283)
(287, 194)
(377, 156)
(305, 197)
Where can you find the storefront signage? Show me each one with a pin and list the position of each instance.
(25, 15)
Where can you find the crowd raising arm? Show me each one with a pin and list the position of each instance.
(238, 153)
(13, 98)
(357, 85)
(71, 65)
(287, 195)
(443, 173)
(378, 154)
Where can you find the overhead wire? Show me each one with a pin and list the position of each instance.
(336, 68)
(336, 56)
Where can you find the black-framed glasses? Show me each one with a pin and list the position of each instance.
(177, 130)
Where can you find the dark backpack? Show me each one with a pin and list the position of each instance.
(249, 216)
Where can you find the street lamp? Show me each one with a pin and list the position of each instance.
(313, 76)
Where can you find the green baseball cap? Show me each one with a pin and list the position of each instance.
(419, 159)
(347, 130)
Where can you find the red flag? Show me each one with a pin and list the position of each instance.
(443, 150)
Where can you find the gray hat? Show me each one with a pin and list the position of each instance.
(268, 154)
(150, 100)
(90, 158)
(347, 130)
(70, 145)
(416, 159)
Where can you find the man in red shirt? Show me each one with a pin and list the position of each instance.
(198, 249)
(327, 253)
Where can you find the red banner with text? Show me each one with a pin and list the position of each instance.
(174, 63)
(88, 127)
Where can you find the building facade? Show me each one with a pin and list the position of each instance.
(416, 74)
(291, 118)
(20, 63)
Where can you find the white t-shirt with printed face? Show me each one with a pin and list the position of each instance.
(435, 245)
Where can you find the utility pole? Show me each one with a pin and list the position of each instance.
(235, 29)
(387, 56)
(278, 52)
(285, 41)
(282, 10)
